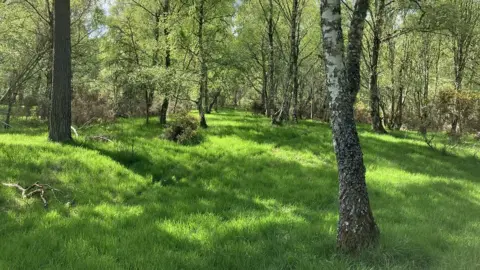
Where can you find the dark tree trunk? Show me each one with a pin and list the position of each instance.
(356, 227)
(214, 101)
(46, 103)
(148, 103)
(391, 65)
(163, 112)
(294, 51)
(11, 101)
(399, 116)
(271, 60)
(150, 93)
(203, 121)
(166, 33)
(282, 114)
(61, 113)
(207, 108)
(424, 97)
(203, 67)
(265, 96)
(377, 124)
(458, 87)
(156, 36)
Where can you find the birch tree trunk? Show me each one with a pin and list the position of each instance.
(356, 226)
(377, 124)
(61, 113)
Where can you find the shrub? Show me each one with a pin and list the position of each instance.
(182, 129)
(90, 106)
(362, 113)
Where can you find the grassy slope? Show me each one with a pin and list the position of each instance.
(250, 196)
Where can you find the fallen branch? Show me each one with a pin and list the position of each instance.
(35, 189)
(5, 124)
(74, 131)
(99, 138)
(87, 123)
(429, 141)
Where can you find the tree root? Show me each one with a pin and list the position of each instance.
(36, 189)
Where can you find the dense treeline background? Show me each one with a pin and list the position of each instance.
(157, 57)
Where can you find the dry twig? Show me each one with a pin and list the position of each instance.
(32, 190)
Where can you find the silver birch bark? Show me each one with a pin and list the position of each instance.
(356, 226)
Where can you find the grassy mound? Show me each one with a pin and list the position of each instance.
(249, 196)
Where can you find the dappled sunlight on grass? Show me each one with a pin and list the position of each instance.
(249, 196)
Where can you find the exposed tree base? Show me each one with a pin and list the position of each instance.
(380, 131)
(36, 189)
(215, 100)
(279, 117)
(163, 112)
(276, 121)
(358, 235)
(203, 122)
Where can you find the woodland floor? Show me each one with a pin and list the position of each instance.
(248, 196)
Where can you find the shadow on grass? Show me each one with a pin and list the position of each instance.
(304, 136)
(418, 159)
(425, 226)
(26, 127)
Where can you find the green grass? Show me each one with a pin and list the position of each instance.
(249, 196)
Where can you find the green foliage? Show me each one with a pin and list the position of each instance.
(182, 129)
(250, 196)
(466, 103)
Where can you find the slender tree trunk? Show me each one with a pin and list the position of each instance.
(265, 96)
(163, 112)
(11, 101)
(398, 119)
(148, 103)
(214, 101)
(356, 227)
(312, 102)
(458, 69)
(377, 124)
(156, 36)
(203, 66)
(399, 116)
(61, 113)
(45, 106)
(391, 64)
(424, 99)
(271, 60)
(166, 33)
(294, 51)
